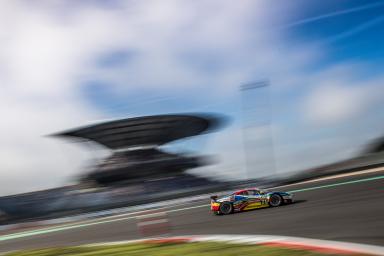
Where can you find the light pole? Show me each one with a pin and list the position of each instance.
(264, 125)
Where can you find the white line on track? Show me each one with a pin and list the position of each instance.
(135, 214)
(369, 171)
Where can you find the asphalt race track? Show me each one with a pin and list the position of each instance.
(344, 209)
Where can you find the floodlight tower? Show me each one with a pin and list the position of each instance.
(257, 131)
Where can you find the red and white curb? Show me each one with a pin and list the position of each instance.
(322, 246)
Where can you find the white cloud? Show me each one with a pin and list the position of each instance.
(334, 103)
(339, 95)
(41, 59)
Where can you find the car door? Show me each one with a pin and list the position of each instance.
(241, 200)
(255, 200)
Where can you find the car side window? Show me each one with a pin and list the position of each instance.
(254, 192)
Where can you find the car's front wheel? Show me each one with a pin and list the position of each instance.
(226, 208)
(275, 200)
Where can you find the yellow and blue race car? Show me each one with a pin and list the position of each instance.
(248, 199)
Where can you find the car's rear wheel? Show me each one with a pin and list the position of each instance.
(275, 200)
(226, 208)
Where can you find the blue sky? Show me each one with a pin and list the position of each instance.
(68, 63)
(353, 34)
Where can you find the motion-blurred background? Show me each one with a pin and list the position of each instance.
(297, 87)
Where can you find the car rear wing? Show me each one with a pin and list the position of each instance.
(214, 198)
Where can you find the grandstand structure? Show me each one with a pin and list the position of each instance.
(137, 171)
(137, 156)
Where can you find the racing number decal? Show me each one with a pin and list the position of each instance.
(264, 200)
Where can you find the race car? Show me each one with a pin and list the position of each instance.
(248, 199)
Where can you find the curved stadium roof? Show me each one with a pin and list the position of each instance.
(142, 131)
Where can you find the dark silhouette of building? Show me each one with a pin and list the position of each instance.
(137, 171)
(135, 145)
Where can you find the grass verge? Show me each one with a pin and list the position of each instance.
(168, 249)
